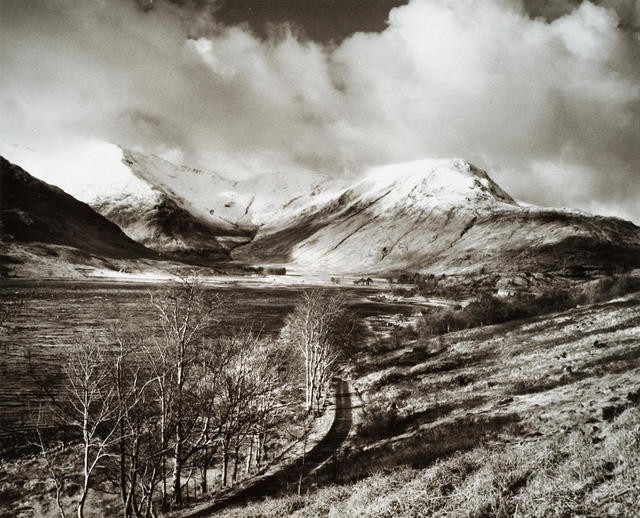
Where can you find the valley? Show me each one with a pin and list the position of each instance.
(481, 332)
(320, 259)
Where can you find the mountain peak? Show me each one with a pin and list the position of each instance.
(444, 181)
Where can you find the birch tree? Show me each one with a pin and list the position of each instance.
(185, 316)
(88, 404)
(321, 330)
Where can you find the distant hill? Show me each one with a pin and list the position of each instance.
(32, 211)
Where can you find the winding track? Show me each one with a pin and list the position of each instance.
(288, 476)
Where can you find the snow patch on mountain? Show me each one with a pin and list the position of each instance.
(444, 181)
(86, 172)
(247, 204)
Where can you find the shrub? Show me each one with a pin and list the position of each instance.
(611, 287)
(380, 420)
(404, 292)
(488, 310)
(276, 271)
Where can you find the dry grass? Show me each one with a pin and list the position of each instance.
(540, 418)
(572, 475)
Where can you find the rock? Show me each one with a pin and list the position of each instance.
(634, 397)
(609, 412)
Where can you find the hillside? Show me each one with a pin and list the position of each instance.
(245, 205)
(437, 216)
(431, 216)
(539, 417)
(157, 222)
(32, 211)
(183, 211)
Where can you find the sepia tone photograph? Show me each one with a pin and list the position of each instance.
(319, 258)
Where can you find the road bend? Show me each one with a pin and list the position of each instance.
(288, 477)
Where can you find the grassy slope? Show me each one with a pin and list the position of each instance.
(530, 418)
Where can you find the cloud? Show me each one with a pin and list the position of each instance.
(548, 102)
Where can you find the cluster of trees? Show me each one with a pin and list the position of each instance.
(152, 412)
(321, 330)
(425, 284)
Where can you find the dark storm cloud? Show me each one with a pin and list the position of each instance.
(324, 21)
(547, 101)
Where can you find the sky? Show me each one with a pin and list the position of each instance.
(544, 95)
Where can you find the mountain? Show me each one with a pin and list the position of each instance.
(159, 223)
(228, 205)
(34, 211)
(442, 216)
(181, 211)
(435, 216)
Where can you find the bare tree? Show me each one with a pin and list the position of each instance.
(185, 316)
(51, 460)
(94, 401)
(87, 403)
(153, 408)
(321, 330)
(136, 473)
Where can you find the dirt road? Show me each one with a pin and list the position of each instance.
(287, 478)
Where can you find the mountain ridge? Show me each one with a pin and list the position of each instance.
(442, 216)
(35, 211)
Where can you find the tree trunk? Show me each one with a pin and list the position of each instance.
(236, 462)
(176, 481)
(205, 468)
(225, 465)
(149, 510)
(163, 458)
(259, 447)
(85, 488)
(177, 451)
(248, 466)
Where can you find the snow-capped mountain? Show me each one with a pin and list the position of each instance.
(225, 204)
(173, 209)
(442, 216)
(439, 216)
(177, 209)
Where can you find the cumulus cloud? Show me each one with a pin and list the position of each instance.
(547, 102)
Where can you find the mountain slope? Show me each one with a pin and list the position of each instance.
(442, 216)
(183, 211)
(226, 204)
(159, 223)
(34, 211)
(437, 216)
